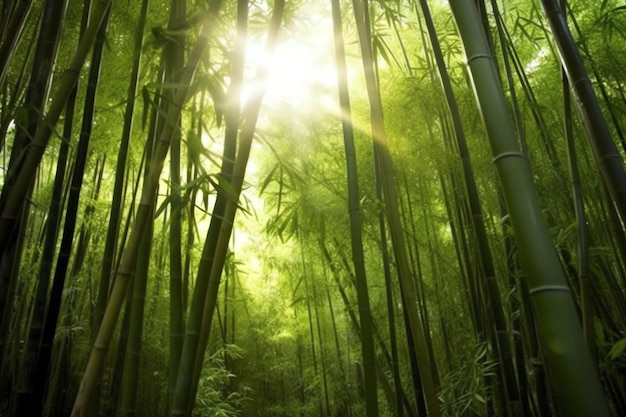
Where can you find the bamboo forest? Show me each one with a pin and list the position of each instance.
(313, 208)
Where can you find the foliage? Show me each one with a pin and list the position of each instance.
(216, 397)
(284, 334)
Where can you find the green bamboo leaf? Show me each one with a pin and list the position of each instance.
(224, 186)
(163, 205)
(381, 48)
(195, 149)
(195, 183)
(618, 349)
(219, 99)
(166, 86)
(268, 179)
(603, 6)
(205, 199)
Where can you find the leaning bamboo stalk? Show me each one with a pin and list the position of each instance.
(393, 211)
(117, 199)
(47, 46)
(232, 118)
(71, 215)
(599, 137)
(214, 252)
(14, 30)
(142, 217)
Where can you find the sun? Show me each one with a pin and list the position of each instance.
(301, 68)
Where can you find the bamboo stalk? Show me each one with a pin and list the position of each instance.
(573, 373)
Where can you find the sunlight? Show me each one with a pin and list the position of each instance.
(302, 70)
(533, 65)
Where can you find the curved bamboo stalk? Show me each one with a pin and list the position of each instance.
(232, 120)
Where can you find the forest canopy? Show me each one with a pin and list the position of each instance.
(312, 208)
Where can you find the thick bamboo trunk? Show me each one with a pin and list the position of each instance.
(572, 373)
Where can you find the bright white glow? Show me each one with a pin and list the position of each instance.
(301, 69)
(536, 62)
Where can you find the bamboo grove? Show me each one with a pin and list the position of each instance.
(435, 226)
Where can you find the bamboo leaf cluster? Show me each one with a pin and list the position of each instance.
(287, 208)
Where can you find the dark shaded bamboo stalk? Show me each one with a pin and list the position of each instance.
(46, 49)
(12, 33)
(393, 213)
(65, 250)
(111, 240)
(605, 152)
(582, 247)
(136, 307)
(20, 178)
(41, 77)
(356, 237)
(173, 61)
(599, 80)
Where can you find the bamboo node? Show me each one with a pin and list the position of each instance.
(73, 71)
(610, 156)
(506, 155)
(477, 56)
(549, 288)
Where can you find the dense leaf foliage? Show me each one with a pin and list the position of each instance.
(212, 220)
